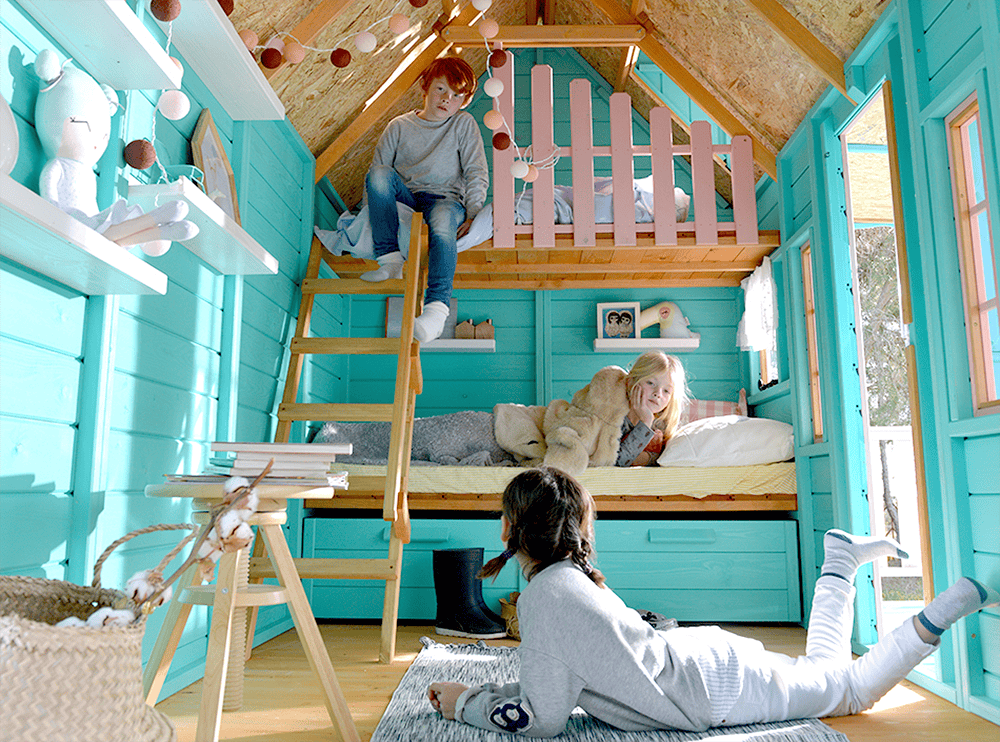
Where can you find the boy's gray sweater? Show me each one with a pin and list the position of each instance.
(442, 157)
(582, 646)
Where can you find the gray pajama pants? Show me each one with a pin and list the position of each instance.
(826, 681)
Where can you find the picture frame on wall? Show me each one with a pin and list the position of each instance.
(618, 320)
(209, 156)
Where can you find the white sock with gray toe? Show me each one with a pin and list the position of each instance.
(845, 552)
(964, 597)
(389, 267)
(430, 324)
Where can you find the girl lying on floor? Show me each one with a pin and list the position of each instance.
(582, 646)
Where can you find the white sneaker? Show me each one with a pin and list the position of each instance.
(389, 267)
(430, 324)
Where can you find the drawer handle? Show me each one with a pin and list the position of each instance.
(426, 535)
(682, 536)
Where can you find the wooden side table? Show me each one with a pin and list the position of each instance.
(228, 594)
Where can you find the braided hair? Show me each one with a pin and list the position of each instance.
(551, 518)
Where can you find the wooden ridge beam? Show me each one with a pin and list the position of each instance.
(712, 266)
(373, 112)
(803, 41)
(717, 109)
(548, 37)
(596, 282)
(310, 27)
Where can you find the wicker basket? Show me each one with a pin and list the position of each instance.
(71, 684)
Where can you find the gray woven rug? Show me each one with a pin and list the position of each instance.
(410, 718)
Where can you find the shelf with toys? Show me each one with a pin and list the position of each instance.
(41, 236)
(220, 242)
(107, 39)
(214, 51)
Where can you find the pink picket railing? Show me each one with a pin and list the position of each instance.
(662, 150)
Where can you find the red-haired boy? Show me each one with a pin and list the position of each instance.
(433, 161)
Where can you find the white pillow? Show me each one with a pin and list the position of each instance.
(729, 440)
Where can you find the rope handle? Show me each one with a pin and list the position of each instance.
(140, 531)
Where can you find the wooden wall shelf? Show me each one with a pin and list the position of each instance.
(205, 37)
(41, 236)
(221, 242)
(107, 40)
(617, 345)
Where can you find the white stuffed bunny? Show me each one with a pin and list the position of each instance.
(73, 120)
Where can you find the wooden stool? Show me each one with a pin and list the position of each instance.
(226, 648)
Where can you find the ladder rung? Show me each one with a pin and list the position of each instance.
(344, 412)
(347, 346)
(343, 569)
(352, 286)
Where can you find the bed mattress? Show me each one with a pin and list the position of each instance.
(698, 482)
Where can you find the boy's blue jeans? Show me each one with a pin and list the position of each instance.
(443, 215)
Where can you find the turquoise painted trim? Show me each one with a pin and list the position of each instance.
(239, 160)
(91, 458)
(229, 366)
(874, 148)
(543, 347)
(780, 389)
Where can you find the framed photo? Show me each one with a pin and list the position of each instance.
(618, 320)
(209, 156)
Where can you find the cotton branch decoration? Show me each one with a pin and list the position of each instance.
(226, 531)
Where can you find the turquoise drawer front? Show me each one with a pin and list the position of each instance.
(363, 538)
(695, 571)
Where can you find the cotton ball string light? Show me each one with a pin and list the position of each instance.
(418, 3)
(482, 5)
(501, 140)
(155, 248)
(165, 10)
(294, 52)
(140, 153)
(340, 57)
(250, 39)
(173, 104)
(270, 58)
(532, 175)
(275, 42)
(519, 169)
(399, 23)
(177, 62)
(493, 119)
(228, 6)
(498, 58)
(365, 42)
(488, 28)
(493, 87)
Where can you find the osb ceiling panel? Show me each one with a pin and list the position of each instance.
(725, 44)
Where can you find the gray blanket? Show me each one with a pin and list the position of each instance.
(460, 438)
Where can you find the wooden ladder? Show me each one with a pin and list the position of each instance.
(400, 414)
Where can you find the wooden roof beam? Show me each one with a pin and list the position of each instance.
(689, 84)
(435, 45)
(631, 55)
(799, 37)
(550, 36)
(310, 27)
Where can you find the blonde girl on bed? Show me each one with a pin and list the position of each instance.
(582, 646)
(656, 388)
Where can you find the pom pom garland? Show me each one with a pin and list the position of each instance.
(498, 58)
(165, 10)
(399, 23)
(482, 5)
(519, 169)
(501, 140)
(155, 248)
(418, 3)
(493, 120)
(294, 52)
(493, 87)
(275, 42)
(250, 39)
(365, 42)
(270, 58)
(532, 175)
(173, 104)
(227, 6)
(340, 57)
(488, 28)
(140, 153)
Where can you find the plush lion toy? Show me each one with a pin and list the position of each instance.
(587, 430)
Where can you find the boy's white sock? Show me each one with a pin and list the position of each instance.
(845, 552)
(430, 324)
(964, 597)
(390, 266)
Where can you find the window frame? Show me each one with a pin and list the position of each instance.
(812, 341)
(976, 308)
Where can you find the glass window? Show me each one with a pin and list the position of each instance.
(978, 256)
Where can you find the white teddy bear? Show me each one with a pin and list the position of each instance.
(73, 120)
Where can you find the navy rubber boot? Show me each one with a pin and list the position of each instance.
(461, 610)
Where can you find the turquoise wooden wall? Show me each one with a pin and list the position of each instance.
(104, 395)
(935, 53)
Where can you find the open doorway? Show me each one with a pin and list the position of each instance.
(897, 506)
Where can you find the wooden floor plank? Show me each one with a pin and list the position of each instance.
(282, 701)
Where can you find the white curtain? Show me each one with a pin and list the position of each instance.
(760, 312)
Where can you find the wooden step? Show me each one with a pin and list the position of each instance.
(348, 346)
(344, 569)
(343, 412)
(352, 286)
(247, 596)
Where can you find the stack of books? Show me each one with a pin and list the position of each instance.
(294, 463)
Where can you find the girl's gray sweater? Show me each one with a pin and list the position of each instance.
(442, 157)
(582, 646)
